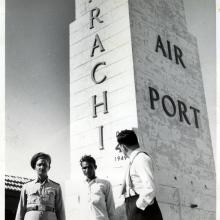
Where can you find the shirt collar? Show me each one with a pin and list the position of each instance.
(133, 154)
(45, 181)
(91, 182)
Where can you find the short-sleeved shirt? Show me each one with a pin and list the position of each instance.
(47, 194)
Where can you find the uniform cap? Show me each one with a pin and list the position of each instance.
(39, 155)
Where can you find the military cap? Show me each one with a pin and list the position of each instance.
(38, 156)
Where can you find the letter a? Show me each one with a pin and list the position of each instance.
(97, 43)
(160, 45)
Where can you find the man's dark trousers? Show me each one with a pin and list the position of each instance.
(152, 212)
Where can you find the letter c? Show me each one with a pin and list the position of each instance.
(94, 71)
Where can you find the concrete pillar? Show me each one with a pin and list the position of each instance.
(133, 64)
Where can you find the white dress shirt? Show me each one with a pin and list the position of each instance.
(142, 179)
(96, 200)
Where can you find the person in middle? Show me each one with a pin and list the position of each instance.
(95, 196)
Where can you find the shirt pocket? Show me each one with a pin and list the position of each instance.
(33, 196)
(50, 195)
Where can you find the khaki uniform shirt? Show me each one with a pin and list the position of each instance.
(39, 194)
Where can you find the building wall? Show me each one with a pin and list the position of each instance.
(181, 150)
(114, 33)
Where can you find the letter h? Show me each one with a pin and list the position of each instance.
(95, 105)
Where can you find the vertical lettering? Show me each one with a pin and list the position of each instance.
(94, 13)
(178, 56)
(97, 44)
(154, 96)
(182, 111)
(160, 45)
(195, 111)
(94, 71)
(171, 114)
(101, 139)
(169, 50)
(95, 105)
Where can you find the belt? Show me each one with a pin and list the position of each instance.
(41, 208)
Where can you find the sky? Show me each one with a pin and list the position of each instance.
(37, 84)
(201, 23)
(37, 79)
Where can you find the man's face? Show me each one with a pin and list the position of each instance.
(42, 166)
(122, 148)
(88, 169)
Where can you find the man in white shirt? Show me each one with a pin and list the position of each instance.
(139, 186)
(95, 197)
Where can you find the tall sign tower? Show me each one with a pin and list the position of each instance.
(133, 64)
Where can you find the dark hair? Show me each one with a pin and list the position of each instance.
(89, 159)
(127, 137)
(38, 156)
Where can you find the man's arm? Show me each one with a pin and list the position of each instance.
(21, 210)
(110, 204)
(59, 206)
(144, 169)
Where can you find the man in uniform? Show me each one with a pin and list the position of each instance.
(41, 199)
(95, 196)
(139, 187)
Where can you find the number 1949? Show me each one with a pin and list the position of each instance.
(119, 158)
